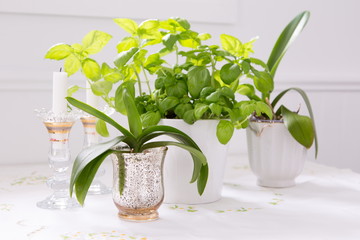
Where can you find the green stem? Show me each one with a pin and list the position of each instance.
(213, 63)
(146, 80)
(177, 54)
(138, 80)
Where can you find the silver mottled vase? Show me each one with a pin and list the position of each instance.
(138, 189)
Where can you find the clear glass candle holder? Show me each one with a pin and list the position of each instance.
(59, 127)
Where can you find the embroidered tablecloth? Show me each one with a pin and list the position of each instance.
(325, 204)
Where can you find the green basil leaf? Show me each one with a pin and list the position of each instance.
(189, 116)
(227, 92)
(214, 97)
(204, 36)
(101, 88)
(168, 103)
(178, 90)
(126, 44)
(300, 127)
(110, 74)
(182, 108)
(215, 109)
(198, 78)
(200, 109)
(262, 107)
(263, 81)
(150, 118)
(230, 72)
(149, 29)
(95, 41)
(169, 40)
(59, 51)
(91, 69)
(231, 44)
(101, 128)
(123, 57)
(71, 90)
(127, 24)
(72, 64)
(206, 91)
(224, 131)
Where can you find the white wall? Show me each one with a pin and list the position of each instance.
(324, 61)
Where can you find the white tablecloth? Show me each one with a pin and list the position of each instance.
(325, 204)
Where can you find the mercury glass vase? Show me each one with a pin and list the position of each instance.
(138, 189)
(91, 137)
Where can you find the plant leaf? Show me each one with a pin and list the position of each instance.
(88, 155)
(123, 57)
(130, 139)
(95, 41)
(309, 108)
(126, 44)
(59, 51)
(288, 35)
(91, 69)
(168, 103)
(196, 155)
(71, 64)
(101, 128)
(150, 118)
(133, 116)
(200, 109)
(72, 89)
(300, 127)
(86, 176)
(230, 72)
(224, 131)
(198, 78)
(128, 25)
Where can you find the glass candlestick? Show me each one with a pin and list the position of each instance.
(91, 137)
(59, 126)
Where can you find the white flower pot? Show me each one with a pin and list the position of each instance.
(276, 158)
(178, 165)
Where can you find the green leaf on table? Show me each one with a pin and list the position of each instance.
(126, 44)
(91, 69)
(123, 57)
(101, 128)
(300, 127)
(200, 109)
(59, 51)
(230, 72)
(198, 78)
(128, 25)
(72, 64)
(95, 41)
(224, 131)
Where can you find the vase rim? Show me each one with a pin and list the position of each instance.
(256, 120)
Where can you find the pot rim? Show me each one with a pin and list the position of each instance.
(256, 120)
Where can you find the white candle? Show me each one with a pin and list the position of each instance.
(59, 103)
(91, 98)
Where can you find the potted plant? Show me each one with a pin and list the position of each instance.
(278, 142)
(196, 94)
(138, 183)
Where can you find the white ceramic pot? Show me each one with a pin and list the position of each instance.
(276, 158)
(178, 165)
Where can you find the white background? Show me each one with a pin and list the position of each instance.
(324, 61)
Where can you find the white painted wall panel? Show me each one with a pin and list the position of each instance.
(324, 61)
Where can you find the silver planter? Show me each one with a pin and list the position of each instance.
(138, 189)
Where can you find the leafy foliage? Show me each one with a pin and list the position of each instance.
(138, 139)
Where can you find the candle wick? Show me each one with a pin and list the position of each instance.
(60, 69)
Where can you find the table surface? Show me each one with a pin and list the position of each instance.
(325, 204)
